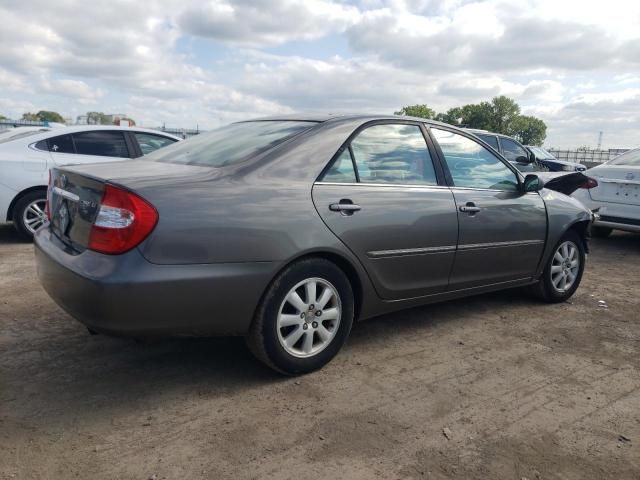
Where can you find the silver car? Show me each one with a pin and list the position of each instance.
(287, 230)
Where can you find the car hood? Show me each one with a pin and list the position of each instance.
(563, 182)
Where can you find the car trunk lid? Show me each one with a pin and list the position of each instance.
(616, 184)
(76, 192)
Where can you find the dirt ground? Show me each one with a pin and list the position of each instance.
(493, 387)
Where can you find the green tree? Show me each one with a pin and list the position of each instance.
(453, 116)
(504, 111)
(529, 130)
(98, 118)
(48, 116)
(31, 117)
(500, 115)
(43, 116)
(2, 117)
(422, 111)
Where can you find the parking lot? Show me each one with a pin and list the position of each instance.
(496, 386)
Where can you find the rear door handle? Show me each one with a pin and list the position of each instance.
(345, 207)
(469, 208)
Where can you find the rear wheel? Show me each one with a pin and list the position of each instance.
(601, 232)
(304, 318)
(563, 272)
(29, 213)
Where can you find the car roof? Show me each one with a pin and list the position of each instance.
(54, 132)
(335, 117)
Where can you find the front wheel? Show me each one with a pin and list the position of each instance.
(304, 318)
(29, 213)
(563, 272)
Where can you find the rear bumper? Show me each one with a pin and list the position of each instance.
(127, 295)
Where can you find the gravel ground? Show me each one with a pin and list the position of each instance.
(495, 386)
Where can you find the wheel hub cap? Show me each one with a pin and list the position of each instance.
(309, 317)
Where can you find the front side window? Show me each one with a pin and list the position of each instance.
(491, 140)
(512, 151)
(150, 143)
(631, 158)
(473, 166)
(103, 144)
(393, 153)
(231, 144)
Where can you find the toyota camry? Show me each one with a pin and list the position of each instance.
(287, 230)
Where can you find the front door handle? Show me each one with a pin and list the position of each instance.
(469, 208)
(345, 207)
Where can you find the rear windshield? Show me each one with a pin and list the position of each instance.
(631, 158)
(230, 144)
(8, 136)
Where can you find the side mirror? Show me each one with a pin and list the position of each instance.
(523, 159)
(533, 183)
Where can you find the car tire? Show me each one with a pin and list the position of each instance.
(560, 265)
(304, 317)
(28, 212)
(601, 232)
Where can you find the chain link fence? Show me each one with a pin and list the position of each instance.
(586, 157)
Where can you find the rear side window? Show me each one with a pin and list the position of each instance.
(103, 144)
(61, 144)
(231, 144)
(150, 143)
(388, 153)
(491, 140)
(342, 170)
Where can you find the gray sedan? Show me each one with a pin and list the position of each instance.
(287, 230)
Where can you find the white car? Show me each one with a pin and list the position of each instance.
(25, 159)
(617, 196)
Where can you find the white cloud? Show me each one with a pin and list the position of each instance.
(573, 63)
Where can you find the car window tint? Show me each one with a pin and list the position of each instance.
(61, 144)
(491, 140)
(42, 145)
(104, 144)
(393, 153)
(472, 165)
(511, 150)
(231, 144)
(342, 170)
(631, 158)
(149, 142)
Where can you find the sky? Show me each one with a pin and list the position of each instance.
(183, 63)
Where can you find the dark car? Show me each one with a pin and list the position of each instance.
(510, 148)
(545, 158)
(286, 230)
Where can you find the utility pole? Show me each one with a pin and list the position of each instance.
(599, 140)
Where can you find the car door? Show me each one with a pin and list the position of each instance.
(89, 146)
(502, 230)
(385, 198)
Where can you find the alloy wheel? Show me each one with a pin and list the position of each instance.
(34, 215)
(309, 317)
(565, 266)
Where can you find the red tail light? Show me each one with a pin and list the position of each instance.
(124, 220)
(589, 183)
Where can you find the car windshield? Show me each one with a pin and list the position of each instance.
(631, 158)
(11, 135)
(230, 144)
(542, 153)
